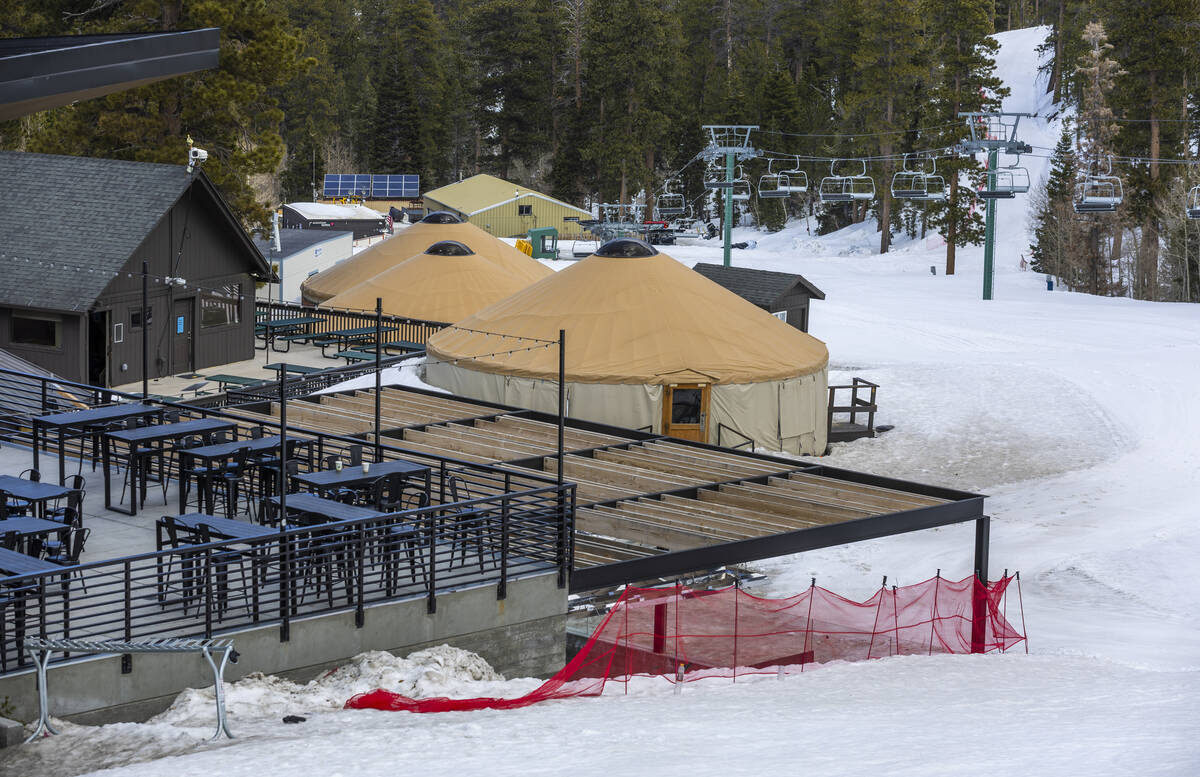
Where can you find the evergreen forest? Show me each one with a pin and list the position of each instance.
(603, 101)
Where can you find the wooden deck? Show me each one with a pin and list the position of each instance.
(637, 495)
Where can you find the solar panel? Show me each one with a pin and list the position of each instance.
(394, 187)
(347, 185)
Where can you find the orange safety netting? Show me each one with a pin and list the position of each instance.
(687, 635)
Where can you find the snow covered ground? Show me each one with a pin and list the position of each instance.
(1077, 415)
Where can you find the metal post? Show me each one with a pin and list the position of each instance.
(562, 397)
(989, 230)
(979, 598)
(378, 378)
(145, 329)
(42, 658)
(285, 572)
(728, 194)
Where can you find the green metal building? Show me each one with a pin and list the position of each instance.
(506, 209)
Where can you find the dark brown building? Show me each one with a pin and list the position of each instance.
(782, 294)
(73, 234)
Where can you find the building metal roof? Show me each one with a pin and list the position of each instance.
(483, 192)
(69, 223)
(762, 287)
(41, 73)
(293, 241)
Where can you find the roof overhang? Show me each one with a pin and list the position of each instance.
(41, 73)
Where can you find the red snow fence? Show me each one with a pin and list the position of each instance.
(685, 635)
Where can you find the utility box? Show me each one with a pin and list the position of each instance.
(545, 242)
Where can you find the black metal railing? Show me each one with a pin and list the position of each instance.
(413, 330)
(520, 519)
(198, 590)
(303, 385)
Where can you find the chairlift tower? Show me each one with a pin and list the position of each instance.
(993, 133)
(731, 141)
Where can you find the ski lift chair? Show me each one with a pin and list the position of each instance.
(794, 181)
(769, 185)
(1007, 182)
(847, 188)
(907, 185)
(671, 204)
(1193, 203)
(740, 191)
(1098, 195)
(1099, 192)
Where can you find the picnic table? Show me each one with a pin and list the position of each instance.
(32, 491)
(90, 421)
(342, 338)
(284, 330)
(294, 369)
(225, 381)
(151, 435)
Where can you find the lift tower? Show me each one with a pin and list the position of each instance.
(731, 141)
(993, 133)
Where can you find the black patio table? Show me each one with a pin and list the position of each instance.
(207, 456)
(221, 529)
(32, 491)
(145, 435)
(326, 508)
(353, 477)
(26, 527)
(92, 418)
(14, 567)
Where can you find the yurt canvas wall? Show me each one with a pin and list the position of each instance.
(641, 329)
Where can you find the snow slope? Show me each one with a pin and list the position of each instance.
(1076, 414)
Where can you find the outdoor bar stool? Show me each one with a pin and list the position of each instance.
(221, 560)
(138, 461)
(323, 558)
(403, 539)
(71, 519)
(187, 565)
(229, 482)
(470, 525)
(72, 549)
(74, 498)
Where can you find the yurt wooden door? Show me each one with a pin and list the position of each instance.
(685, 411)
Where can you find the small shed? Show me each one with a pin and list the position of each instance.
(783, 295)
(359, 219)
(506, 209)
(75, 232)
(304, 252)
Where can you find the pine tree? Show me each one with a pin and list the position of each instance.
(964, 81)
(631, 50)
(513, 48)
(888, 58)
(1053, 221)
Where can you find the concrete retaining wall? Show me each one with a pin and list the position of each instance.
(521, 636)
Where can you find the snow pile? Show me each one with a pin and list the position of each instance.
(407, 373)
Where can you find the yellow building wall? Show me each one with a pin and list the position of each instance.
(505, 221)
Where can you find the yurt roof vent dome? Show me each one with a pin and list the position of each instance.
(441, 217)
(449, 248)
(626, 248)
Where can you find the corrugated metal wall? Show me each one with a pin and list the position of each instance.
(506, 220)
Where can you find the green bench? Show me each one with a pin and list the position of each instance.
(225, 381)
(355, 356)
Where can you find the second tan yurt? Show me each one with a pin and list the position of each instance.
(651, 345)
(446, 283)
(434, 228)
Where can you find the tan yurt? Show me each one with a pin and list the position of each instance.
(434, 228)
(446, 283)
(651, 344)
